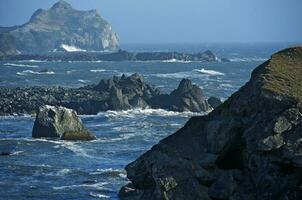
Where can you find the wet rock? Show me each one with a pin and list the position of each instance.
(59, 122)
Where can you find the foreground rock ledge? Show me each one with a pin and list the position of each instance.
(60, 122)
(247, 148)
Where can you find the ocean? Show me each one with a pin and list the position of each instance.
(53, 169)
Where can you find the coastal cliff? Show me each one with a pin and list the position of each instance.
(248, 148)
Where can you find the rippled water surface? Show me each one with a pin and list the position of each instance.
(53, 169)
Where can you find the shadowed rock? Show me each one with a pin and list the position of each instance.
(60, 122)
(247, 148)
(214, 102)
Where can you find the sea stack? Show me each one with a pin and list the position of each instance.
(59, 28)
(247, 148)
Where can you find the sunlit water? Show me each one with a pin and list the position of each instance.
(53, 169)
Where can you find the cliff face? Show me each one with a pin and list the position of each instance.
(248, 148)
(59, 27)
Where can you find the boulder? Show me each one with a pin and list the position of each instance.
(59, 122)
(249, 147)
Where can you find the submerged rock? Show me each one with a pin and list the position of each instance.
(247, 148)
(60, 122)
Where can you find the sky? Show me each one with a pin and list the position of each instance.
(182, 21)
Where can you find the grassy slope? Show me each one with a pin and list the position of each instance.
(284, 74)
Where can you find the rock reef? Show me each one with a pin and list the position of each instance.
(121, 55)
(247, 148)
(117, 93)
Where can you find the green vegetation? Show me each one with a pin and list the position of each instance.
(283, 74)
(77, 135)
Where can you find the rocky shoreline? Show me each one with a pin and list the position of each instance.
(117, 93)
(247, 148)
(121, 55)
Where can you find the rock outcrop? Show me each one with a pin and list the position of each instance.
(187, 97)
(117, 93)
(60, 27)
(60, 122)
(247, 148)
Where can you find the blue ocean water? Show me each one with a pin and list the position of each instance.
(53, 169)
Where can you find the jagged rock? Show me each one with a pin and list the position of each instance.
(60, 27)
(59, 122)
(117, 101)
(250, 145)
(214, 102)
(187, 97)
(117, 93)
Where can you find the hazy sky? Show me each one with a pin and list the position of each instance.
(182, 21)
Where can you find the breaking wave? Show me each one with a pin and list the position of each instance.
(133, 113)
(98, 186)
(195, 73)
(98, 70)
(176, 61)
(209, 72)
(20, 65)
(26, 72)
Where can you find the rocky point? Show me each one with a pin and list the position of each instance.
(248, 148)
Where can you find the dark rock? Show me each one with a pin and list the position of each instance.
(5, 153)
(224, 187)
(59, 122)
(117, 93)
(247, 148)
(187, 97)
(214, 102)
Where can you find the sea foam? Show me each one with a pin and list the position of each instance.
(209, 72)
